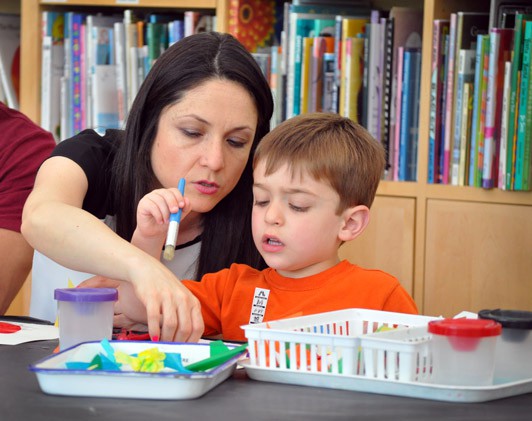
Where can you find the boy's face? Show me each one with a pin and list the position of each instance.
(294, 222)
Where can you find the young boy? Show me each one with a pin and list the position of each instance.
(315, 177)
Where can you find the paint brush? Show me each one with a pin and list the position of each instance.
(173, 227)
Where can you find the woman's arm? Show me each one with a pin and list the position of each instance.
(54, 223)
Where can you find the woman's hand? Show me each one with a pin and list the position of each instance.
(135, 310)
(156, 298)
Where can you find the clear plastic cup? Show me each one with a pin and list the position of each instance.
(84, 314)
(463, 351)
(513, 356)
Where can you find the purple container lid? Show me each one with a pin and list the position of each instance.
(86, 294)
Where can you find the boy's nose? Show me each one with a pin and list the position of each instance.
(273, 215)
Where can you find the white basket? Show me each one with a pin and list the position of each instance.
(326, 342)
(398, 355)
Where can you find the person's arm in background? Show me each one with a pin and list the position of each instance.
(16, 256)
(23, 147)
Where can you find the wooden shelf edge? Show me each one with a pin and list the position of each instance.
(173, 4)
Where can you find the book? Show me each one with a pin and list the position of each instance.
(440, 28)
(306, 68)
(386, 95)
(398, 111)
(481, 133)
(74, 21)
(10, 57)
(53, 54)
(351, 27)
(409, 114)
(479, 108)
(352, 81)
(328, 101)
(517, 65)
(99, 51)
(322, 46)
(527, 152)
(468, 26)
(131, 57)
(104, 91)
(465, 133)
(375, 75)
(252, 22)
(500, 52)
(465, 74)
(499, 7)
(524, 120)
(407, 33)
(121, 72)
(503, 142)
(301, 25)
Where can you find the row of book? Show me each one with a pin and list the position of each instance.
(93, 65)
(481, 100)
(361, 63)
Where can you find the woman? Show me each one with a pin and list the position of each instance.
(199, 115)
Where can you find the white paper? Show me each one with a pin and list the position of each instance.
(29, 332)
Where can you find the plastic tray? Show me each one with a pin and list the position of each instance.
(55, 379)
(321, 343)
(466, 394)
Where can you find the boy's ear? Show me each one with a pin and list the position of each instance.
(355, 221)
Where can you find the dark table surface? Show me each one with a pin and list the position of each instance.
(238, 398)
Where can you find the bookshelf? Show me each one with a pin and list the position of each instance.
(31, 26)
(470, 246)
(454, 248)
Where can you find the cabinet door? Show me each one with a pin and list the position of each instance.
(388, 241)
(478, 255)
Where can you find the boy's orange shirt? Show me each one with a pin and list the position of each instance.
(241, 295)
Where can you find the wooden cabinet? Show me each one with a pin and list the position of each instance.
(391, 228)
(453, 248)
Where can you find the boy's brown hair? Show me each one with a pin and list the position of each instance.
(330, 148)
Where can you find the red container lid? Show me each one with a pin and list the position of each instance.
(469, 328)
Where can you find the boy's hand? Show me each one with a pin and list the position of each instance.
(154, 209)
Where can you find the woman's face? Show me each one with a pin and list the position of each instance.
(206, 138)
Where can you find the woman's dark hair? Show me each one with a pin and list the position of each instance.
(226, 236)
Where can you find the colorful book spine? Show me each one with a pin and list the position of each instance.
(350, 28)
(481, 51)
(409, 114)
(465, 132)
(522, 151)
(527, 156)
(517, 64)
(465, 74)
(398, 112)
(481, 135)
(449, 99)
(306, 68)
(501, 182)
(500, 43)
(443, 110)
(440, 28)
(328, 101)
(353, 69)
(75, 33)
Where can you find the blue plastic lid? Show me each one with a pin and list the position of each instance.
(86, 294)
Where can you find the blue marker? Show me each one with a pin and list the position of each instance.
(173, 227)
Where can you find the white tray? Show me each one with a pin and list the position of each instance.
(54, 379)
(409, 389)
